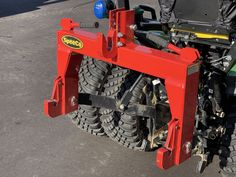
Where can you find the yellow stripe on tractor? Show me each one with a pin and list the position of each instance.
(204, 35)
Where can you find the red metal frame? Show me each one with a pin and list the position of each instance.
(179, 69)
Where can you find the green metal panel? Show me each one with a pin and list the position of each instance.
(232, 72)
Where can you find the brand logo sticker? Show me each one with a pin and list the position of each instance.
(72, 42)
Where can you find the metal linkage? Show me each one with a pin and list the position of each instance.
(124, 101)
(113, 104)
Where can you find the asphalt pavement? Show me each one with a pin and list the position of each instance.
(32, 145)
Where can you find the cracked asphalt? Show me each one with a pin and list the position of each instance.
(32, 145)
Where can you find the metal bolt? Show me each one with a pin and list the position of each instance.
(77, 69)
(186, 36)
(120, 35)
(73, 101)
(229, 58)
(156, 82)
(226, 64)
(173, 34)
(220, 114)
(210, 91)
(119, 44)
(133, 27)
(122, 107)
(188, 147)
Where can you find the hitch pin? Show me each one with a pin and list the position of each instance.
(69, 24)
(89, 25)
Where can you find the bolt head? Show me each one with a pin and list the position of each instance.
(122, 107)
(188, 147)
(77, 69)
(221, 114)
(119, 44)
(156, 82)
(173, 34)
(73, 101)
(120, 35)
(210, 91)
(226, 64)
(229, 58)
(133, 27)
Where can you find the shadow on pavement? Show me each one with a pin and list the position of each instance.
(13, 7)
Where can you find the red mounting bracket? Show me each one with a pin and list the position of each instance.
(179, 69)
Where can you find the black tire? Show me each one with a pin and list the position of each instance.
(92, 75)
(228, 149)
(128, 131)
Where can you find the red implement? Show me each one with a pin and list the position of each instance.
(179, 69)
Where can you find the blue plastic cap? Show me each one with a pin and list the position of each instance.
(100, 9)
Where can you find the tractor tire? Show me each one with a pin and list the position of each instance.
(228, 149)
(92, 76)
(128, 131)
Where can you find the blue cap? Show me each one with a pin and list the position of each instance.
(100, 9)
